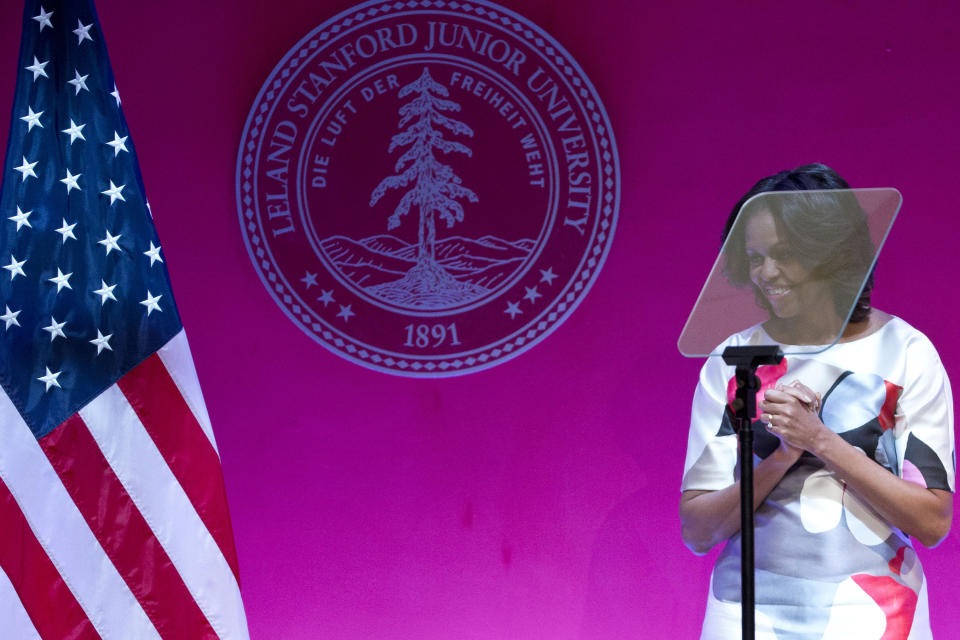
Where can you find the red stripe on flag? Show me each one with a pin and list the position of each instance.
(184, 446)
(48, 601)
(123, 532)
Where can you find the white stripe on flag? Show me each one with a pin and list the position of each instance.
(13, 616)
(64, 534)
(144, 474)
(178, 360)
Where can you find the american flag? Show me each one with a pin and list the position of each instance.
(113, 516)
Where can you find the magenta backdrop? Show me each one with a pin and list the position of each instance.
(536, 499)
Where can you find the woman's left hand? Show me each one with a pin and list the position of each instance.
(790, 412)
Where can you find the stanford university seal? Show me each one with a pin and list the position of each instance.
(428, 188)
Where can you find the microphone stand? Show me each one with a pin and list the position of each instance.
(746, 359)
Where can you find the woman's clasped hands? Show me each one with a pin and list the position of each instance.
(791, 413)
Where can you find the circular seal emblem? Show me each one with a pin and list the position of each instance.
(428, 188)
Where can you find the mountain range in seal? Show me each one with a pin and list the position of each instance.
(463, 269)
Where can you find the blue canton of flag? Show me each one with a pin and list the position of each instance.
(84, 287)
(113, 513)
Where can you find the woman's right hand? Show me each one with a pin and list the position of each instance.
(791, 413)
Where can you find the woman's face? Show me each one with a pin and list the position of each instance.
(786, 284)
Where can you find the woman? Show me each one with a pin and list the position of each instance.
(853, 446)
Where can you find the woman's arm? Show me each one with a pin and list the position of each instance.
(710, 517)
(923, 513)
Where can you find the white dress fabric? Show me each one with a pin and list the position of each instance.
(827, 565)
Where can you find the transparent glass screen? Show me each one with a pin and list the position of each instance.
(794, 262)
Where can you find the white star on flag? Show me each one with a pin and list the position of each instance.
(50, 379)
(67, 229)
(83, 32)
(151, 302)
(105, 292)
(115, 94)
(110, 242)
(32, 119)
(114, 192)
(153, 253)
(44, 18)
(37, 68)
(62, 280)
(26, 169)
(10, 317)
(79, 82)
(21, 219)
(74, 131)
(71, 181)
(55, 329)
(16, 268)
(117, 143)
(102, 342)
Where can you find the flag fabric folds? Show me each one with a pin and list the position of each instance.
(113, 515)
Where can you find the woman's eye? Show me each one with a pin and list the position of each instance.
(784, 255)
(755, 260)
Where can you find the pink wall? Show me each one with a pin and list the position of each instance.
(536, 499)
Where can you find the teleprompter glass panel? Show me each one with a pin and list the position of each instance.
(792, 268)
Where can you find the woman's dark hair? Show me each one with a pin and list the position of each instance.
(827, 232)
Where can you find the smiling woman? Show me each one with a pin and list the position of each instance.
(782, 280)
(854, 445)
(801, 250)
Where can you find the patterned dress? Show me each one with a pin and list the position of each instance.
(827, 565)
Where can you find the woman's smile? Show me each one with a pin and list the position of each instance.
(772, 291)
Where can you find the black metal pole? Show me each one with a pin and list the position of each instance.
(750, 386)
(746, 360)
